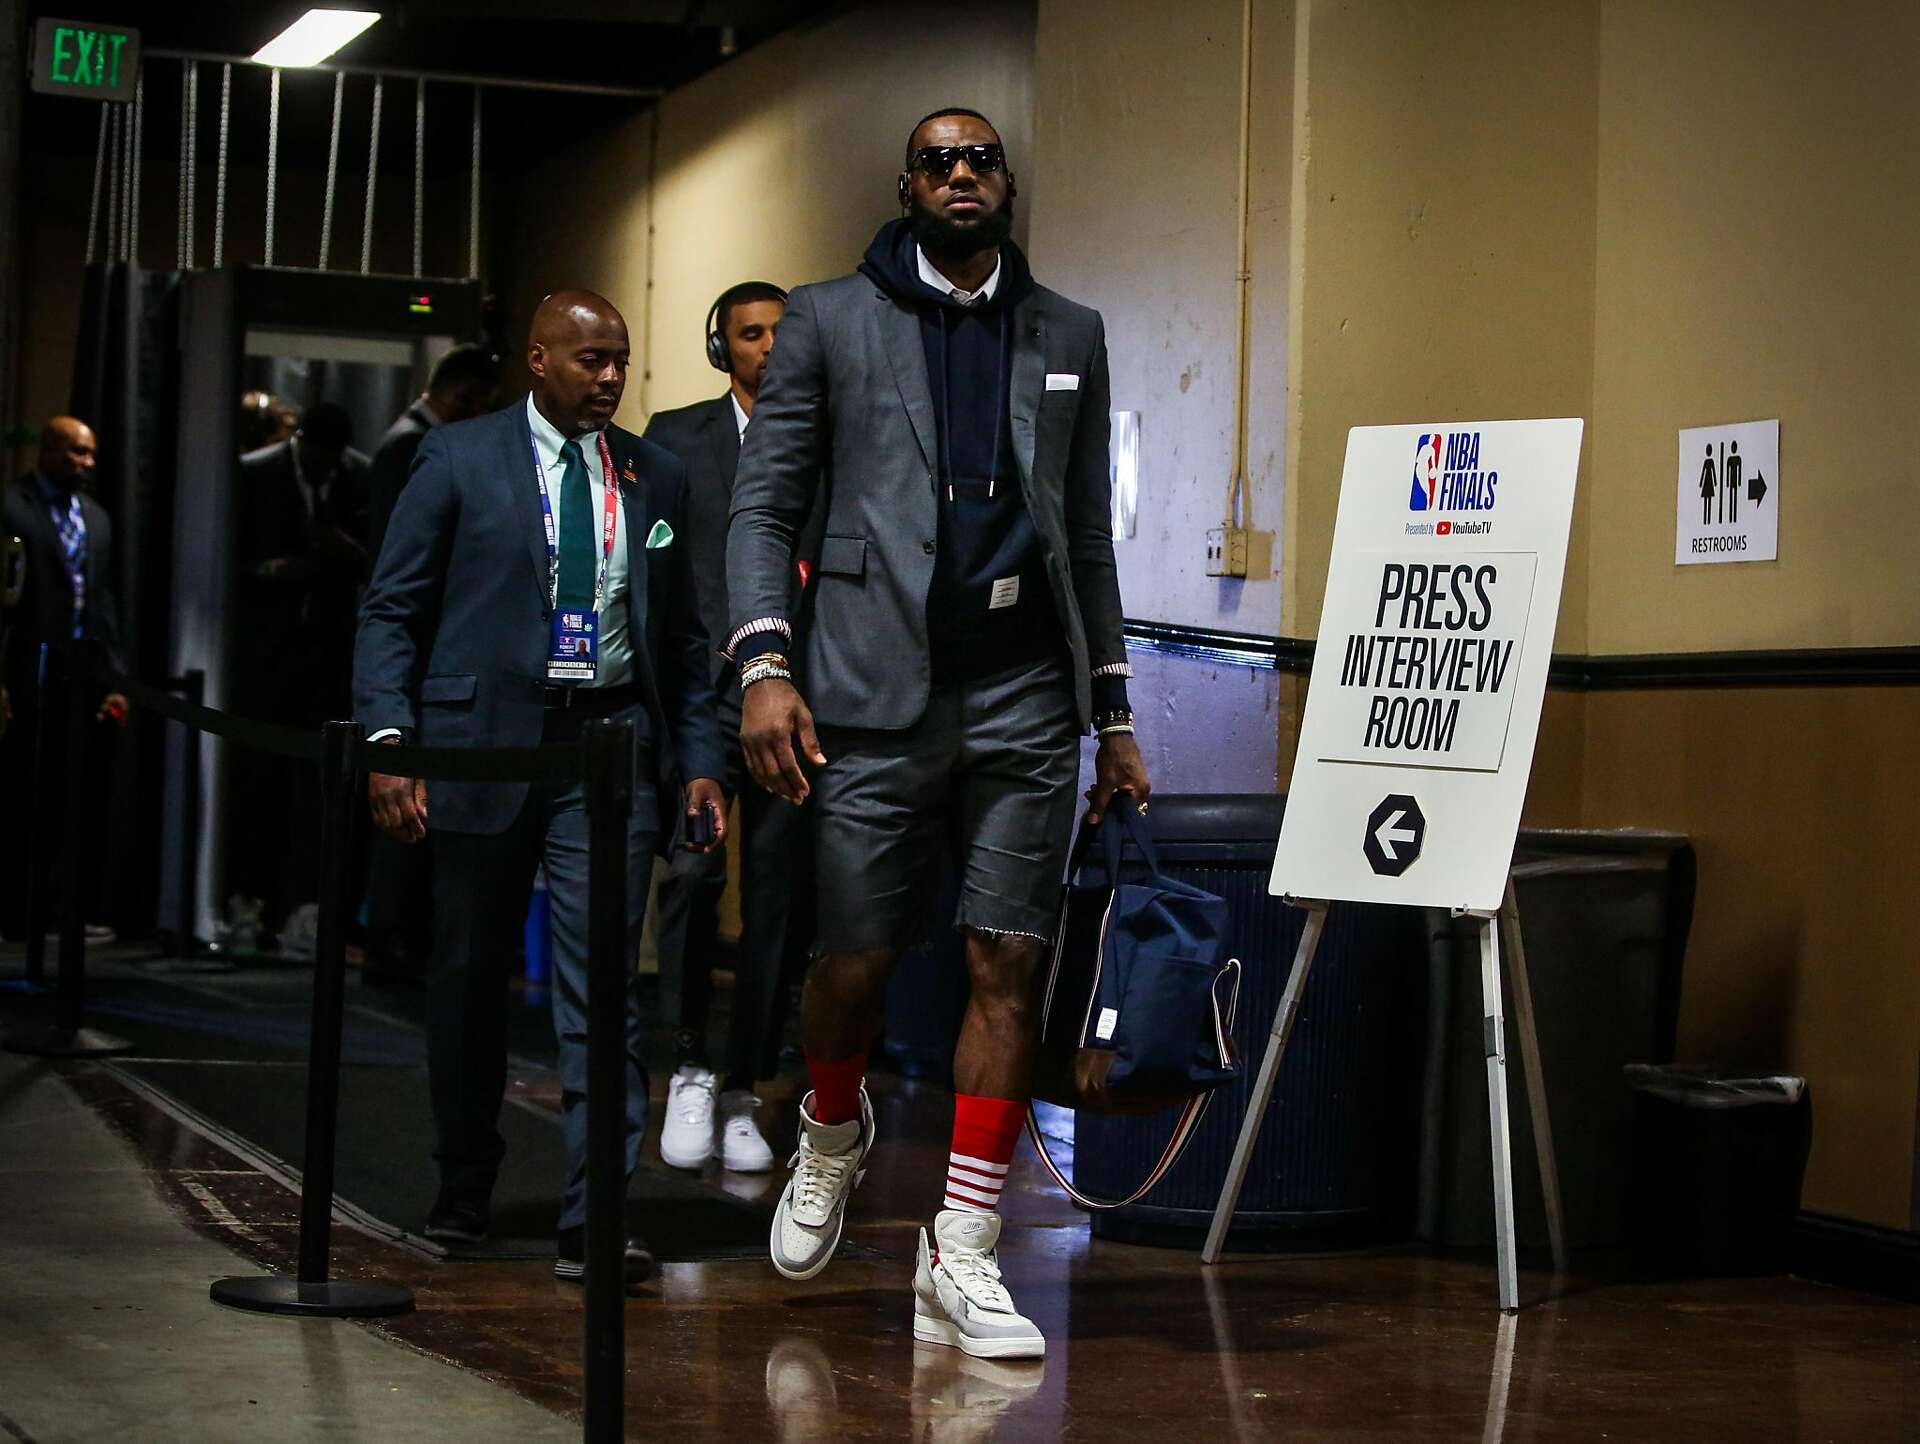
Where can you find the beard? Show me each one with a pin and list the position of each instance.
(939, 236)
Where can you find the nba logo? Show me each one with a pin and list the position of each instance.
(1426, 470)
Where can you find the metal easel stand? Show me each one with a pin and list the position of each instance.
(1492, 925)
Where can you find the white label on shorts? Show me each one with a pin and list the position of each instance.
(1006, 592)
(1109, 1020)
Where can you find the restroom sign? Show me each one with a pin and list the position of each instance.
(1728, 504)
(1430, 669)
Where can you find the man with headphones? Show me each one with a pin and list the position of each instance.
(740, 328)
(964, 634)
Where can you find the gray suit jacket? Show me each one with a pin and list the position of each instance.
(847, 394)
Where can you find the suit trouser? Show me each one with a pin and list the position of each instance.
(775, 923)
(481, 888)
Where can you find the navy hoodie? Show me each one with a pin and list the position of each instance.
(991, 606)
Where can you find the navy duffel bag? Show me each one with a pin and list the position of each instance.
(1133, 1019)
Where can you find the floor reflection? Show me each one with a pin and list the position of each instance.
(801, 1397)
(1496, 1426)
(958, 1399)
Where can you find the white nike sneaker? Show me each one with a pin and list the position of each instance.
(958, 1299)
(742, 1149)
(686, 1139)
(813, 1209)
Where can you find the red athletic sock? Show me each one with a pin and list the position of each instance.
(985, 1132)
(836, 1087)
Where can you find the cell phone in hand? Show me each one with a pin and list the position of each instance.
(700, 828)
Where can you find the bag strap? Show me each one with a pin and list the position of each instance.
(1183, 1131)
(1122, 824)
(1184, 1127)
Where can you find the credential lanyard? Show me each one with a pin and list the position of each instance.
(610, 512)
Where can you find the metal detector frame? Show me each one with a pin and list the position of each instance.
(1492, 925)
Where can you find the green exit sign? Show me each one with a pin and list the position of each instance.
(78, 57)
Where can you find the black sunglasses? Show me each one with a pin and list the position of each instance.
(937, 161)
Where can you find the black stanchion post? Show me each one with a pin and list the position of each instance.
(609, 780)
(191, 684)
(47, 673)
(73, 851)
(312, 1293)
(68, 703)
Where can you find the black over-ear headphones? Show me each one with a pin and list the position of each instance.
(719, 355)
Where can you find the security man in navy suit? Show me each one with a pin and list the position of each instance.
(532, 577)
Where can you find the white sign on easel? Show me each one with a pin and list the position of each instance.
(1431, 668)
(1728, 506)
(1423, 708)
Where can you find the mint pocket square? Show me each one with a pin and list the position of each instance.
(660, 536)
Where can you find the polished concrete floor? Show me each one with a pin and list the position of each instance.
(112, 1319)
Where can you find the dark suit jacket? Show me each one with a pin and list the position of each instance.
(293, 633)
(392, 461)
(847, 396)
(706, 438)
(454, 630)
(45, 613)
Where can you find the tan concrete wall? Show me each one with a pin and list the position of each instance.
(1448, 239)
(1759, 191)
(779, 166)
(1135, 212)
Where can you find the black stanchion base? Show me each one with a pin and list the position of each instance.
(334, 1299)
(57, 1042)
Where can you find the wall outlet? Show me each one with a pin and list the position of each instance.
(1227, 552)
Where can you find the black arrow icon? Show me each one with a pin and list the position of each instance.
(1757, 488)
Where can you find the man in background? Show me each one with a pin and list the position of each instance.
(67, 605)
(463, 385)
(706, 436)
(301, 528)
(400, 878)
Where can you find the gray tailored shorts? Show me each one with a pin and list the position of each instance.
(988, 774)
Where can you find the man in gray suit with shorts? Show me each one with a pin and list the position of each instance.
(965, 632)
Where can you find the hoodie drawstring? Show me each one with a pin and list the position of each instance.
(946, 399)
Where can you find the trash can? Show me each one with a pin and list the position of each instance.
(1335, 1158)
(1718, 1162)
(1604, 917)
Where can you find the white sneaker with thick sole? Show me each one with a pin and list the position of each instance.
(958, 1298)
(742, 1149)
(813, 1209)
(686, 1139)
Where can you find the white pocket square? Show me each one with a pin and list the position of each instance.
(1062, 381)
(660, 536)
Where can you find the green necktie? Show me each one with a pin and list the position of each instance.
(578, 560)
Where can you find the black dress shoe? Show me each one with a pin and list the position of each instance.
(570, 1257)
(457, 1220)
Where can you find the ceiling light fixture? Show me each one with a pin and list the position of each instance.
(313, 37)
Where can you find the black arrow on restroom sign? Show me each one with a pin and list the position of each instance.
(1395, 830)
(1757, 488)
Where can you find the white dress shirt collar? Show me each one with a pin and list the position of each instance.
(739, 416)
(932, 277)
(547, 437)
